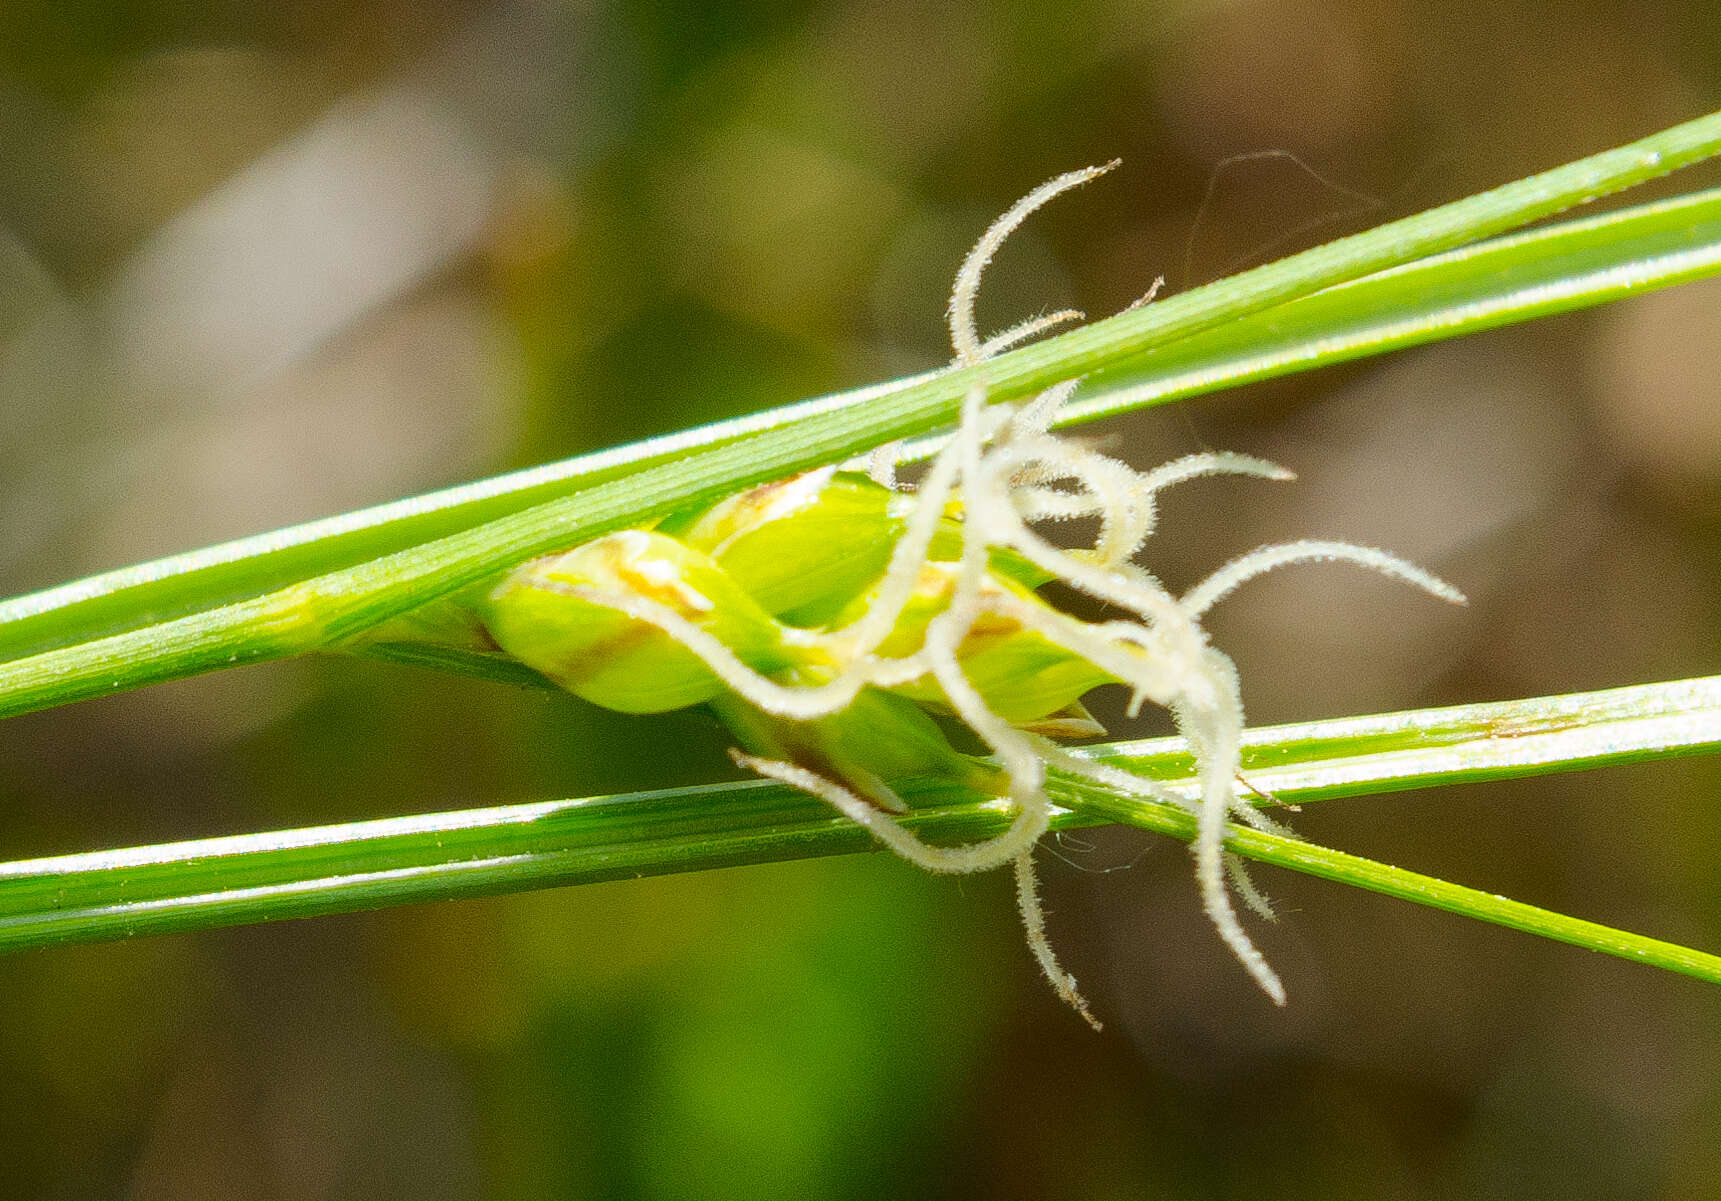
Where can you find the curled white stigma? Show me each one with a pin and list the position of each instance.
(1009, 471)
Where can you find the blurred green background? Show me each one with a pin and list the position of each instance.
(265, 262)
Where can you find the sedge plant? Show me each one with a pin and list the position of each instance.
(775, 570)
(808, 646)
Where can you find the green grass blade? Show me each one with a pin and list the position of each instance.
(1576, 264)
(1572, 265)
(1105, 343)
(1412, 886)
(163, 589)
(1559, 268)
(208, 632)
(332, 869)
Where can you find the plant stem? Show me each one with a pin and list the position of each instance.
(364, 865)
(1412, 886)
(322, 611)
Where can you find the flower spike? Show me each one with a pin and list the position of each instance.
(821, 616)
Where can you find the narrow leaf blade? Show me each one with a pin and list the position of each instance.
(334, 869)
(93, 649)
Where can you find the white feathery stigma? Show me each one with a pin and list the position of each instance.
(1009, 471)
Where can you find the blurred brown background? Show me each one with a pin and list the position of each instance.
(265, 262)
